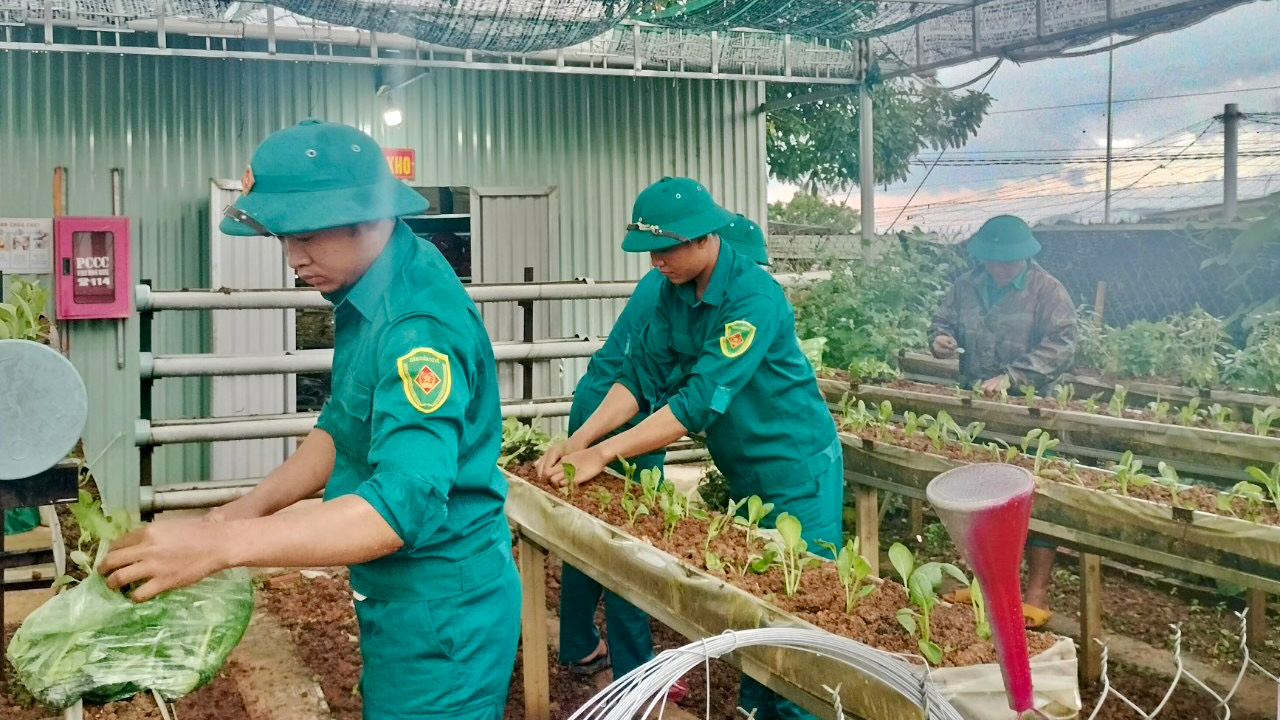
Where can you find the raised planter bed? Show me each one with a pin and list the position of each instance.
(1217, 455)
(675, 588)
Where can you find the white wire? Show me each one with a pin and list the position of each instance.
(644, 689)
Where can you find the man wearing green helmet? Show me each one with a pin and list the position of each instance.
(630, 642)
(720, 356)
(405, 448)
(1013, 324)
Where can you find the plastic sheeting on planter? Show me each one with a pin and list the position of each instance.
(92, 642)
(977, 691)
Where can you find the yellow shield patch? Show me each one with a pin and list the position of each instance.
(427, 378)
(738, 336)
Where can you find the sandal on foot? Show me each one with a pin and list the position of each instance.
(592, 665)
(1035, 617)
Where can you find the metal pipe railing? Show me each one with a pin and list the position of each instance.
(148, 300)
(309, 361)
(292, 425)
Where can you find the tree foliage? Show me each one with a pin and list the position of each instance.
(815, 145)
(807, 209)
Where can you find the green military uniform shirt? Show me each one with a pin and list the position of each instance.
(416, 423)
(1025, 328)
(729, 364)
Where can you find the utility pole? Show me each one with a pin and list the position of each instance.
(1230, 145)
(1106, 208)
(866, 148)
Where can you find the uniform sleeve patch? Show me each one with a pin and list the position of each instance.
(427, 378)
(738, 336)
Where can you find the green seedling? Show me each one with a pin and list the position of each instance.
(977, 390)
(1170, 481)
(650, 485)
(718, 523)
(853, 569)
(922, 585)
(1128, 472)
(1028, 394)
(1064, 394)
(792, 550)
(981, 623)
(1221, 415)
(521, 443)
(675, 508)
(760, 563)
(1248, 492)
(570, 472)
(98, 529)
(1159, 410)
(1270, 481)
(854, 414)
(968, 436)
(1187, 413)
(603, 499)
(1264, 418)
(1117, 404)
(757, 510)
(1043, 443)
(1091, 403)
(912, 422)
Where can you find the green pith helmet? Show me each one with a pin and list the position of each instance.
(746, 237)
(671, 211)
(1003, 238)
(317, 175)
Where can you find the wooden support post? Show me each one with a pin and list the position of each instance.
(916, 517)
(1256, 619)
(1099, 302)
(1090, 618)
(869, 525)
(533, 631)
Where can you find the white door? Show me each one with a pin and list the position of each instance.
(514, 230)
(248, 263)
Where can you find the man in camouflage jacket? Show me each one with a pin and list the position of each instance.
(1011, 322)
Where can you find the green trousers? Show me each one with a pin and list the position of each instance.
(817, 500)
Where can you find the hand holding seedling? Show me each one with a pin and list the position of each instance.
(576, 467)
(995, 385)
(164, 555)
(555, 453)
(944, 347)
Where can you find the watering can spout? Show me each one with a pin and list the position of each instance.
(986, 509)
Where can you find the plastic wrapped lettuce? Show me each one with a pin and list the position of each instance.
(92, 642)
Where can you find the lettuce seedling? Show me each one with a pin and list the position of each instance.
(981, 624)
(1187, 413)
(1028, 394)
(1128, 472)
(853, 569)
(1170, 481)
(603, 499)
(1159, 410)
(757, 510)
(1247, 491)
(922, 585)
(1263, 418)
(1270, 481)
(1044, 443)
(1064, 394)
(1221, 415)
(1091, 403)
(792, 551)
(1117, 404)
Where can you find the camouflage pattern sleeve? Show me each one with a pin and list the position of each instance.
(1055, 324)
(946, 319)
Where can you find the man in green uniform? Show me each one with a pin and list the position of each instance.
(630, 642)
(1013, 324)
(405, 448)
(718, 356)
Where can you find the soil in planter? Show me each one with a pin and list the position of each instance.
(1195, 497)
(820, 599)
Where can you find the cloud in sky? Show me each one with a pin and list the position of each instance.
(1233, 51)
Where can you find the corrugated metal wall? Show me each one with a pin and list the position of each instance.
(173, 123)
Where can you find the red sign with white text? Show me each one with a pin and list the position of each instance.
(401, 162)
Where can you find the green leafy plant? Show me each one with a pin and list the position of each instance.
(1091, 403)
(1169, 480)
(853, 570)
(1128, 472)
(1064, 394)
(570, 472)
(1117, 404)
(1188, 413)
(1270, 481)
(1221, 415)
(922, 583)
(792, 551)
(967, 436)
(521, 443)
(21, 312)
(1248, 492)
(757, 510)
(1028, 394)
(713, 488)
(981, 623)
(650, 486)
(675, 508)
(1263, 419)
(853, 413)
(98, 529)
(1159, 410)
(912, 422)
(603, 499)
(872, 370)
(1256, 367)
(1043, 444)
(632, 506)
